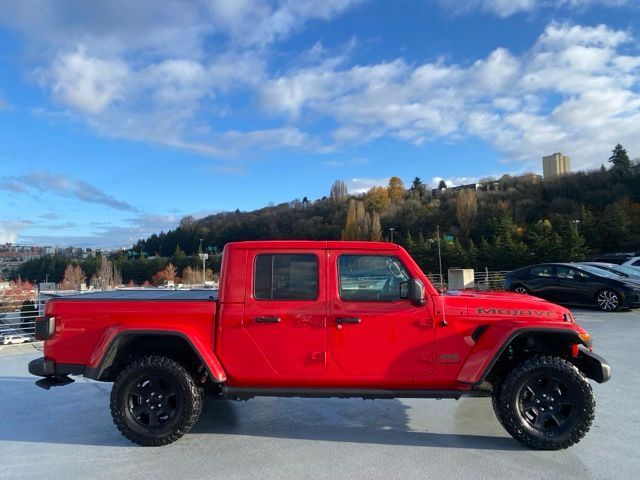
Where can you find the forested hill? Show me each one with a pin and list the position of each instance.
(523, 220)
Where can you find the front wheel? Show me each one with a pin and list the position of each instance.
(521, 289)
(155, 401)
(546, 403)
(608, 300)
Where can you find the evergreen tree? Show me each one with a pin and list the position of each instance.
(620, 160)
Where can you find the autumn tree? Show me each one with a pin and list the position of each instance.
(193, 276)
(396, 189)
(466, 210)
(376, 228)
(19, 291)
(167, 274)
(73, 278)
(358, 223)
(377, 199)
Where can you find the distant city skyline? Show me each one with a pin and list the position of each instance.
(112, 130)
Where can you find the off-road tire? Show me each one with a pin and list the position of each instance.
(155, 401)
(528, 392)
(495, 399)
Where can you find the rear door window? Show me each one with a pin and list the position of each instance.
(542, 271)
(285, 277)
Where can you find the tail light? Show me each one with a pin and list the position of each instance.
(45, 327)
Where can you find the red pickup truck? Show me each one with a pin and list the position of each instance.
(323, 319)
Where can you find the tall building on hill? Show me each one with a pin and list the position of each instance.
(555, 165)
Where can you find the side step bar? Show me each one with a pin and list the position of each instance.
(242, 393)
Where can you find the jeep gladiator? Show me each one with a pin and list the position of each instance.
(323, 319)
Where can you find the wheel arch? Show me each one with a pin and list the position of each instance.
(132, 344)
(526, 342)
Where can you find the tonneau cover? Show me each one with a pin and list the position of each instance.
(143, 294)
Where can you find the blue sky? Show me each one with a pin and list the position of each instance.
(118, 118)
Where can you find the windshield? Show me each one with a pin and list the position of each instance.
(600, 272)
(632, 272)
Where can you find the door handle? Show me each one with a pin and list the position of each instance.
(341, 320)
(267, 320)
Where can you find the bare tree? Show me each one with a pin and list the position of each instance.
(339, 191)
(103, 279)
(74, 277)
(466, 210)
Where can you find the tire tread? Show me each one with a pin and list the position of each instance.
(504, 402)
(193, 400)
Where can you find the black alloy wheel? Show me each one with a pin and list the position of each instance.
(546, 403)
(155, 401)
(521, 289)
(608, 300)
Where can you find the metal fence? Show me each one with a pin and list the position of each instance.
(482, 279)
(486, 280)
(18, 318)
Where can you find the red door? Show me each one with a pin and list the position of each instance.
(285, 311)
(373, 332)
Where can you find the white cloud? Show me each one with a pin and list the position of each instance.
(10, 230)
(507, 8)
(362, 185)
(167, 73)
(47, 182)
(502, 99)
(255, 22)
(86, 83)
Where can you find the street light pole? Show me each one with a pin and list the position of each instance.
(575, 223)
(204, 257)
(391, 230)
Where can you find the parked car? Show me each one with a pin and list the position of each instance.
(622, 270)
(633, 262)
(13, 337)
(575, 284)
(627, 259)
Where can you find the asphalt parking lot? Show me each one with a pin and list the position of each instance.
(67, 433)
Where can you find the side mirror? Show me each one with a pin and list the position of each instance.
(413, 289)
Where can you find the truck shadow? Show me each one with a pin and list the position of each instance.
(78, 414)
(384, 422)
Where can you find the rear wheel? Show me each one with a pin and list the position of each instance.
(546, 403)
(155, 401)
(608, 300)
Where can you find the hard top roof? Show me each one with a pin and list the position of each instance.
(312, 245)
